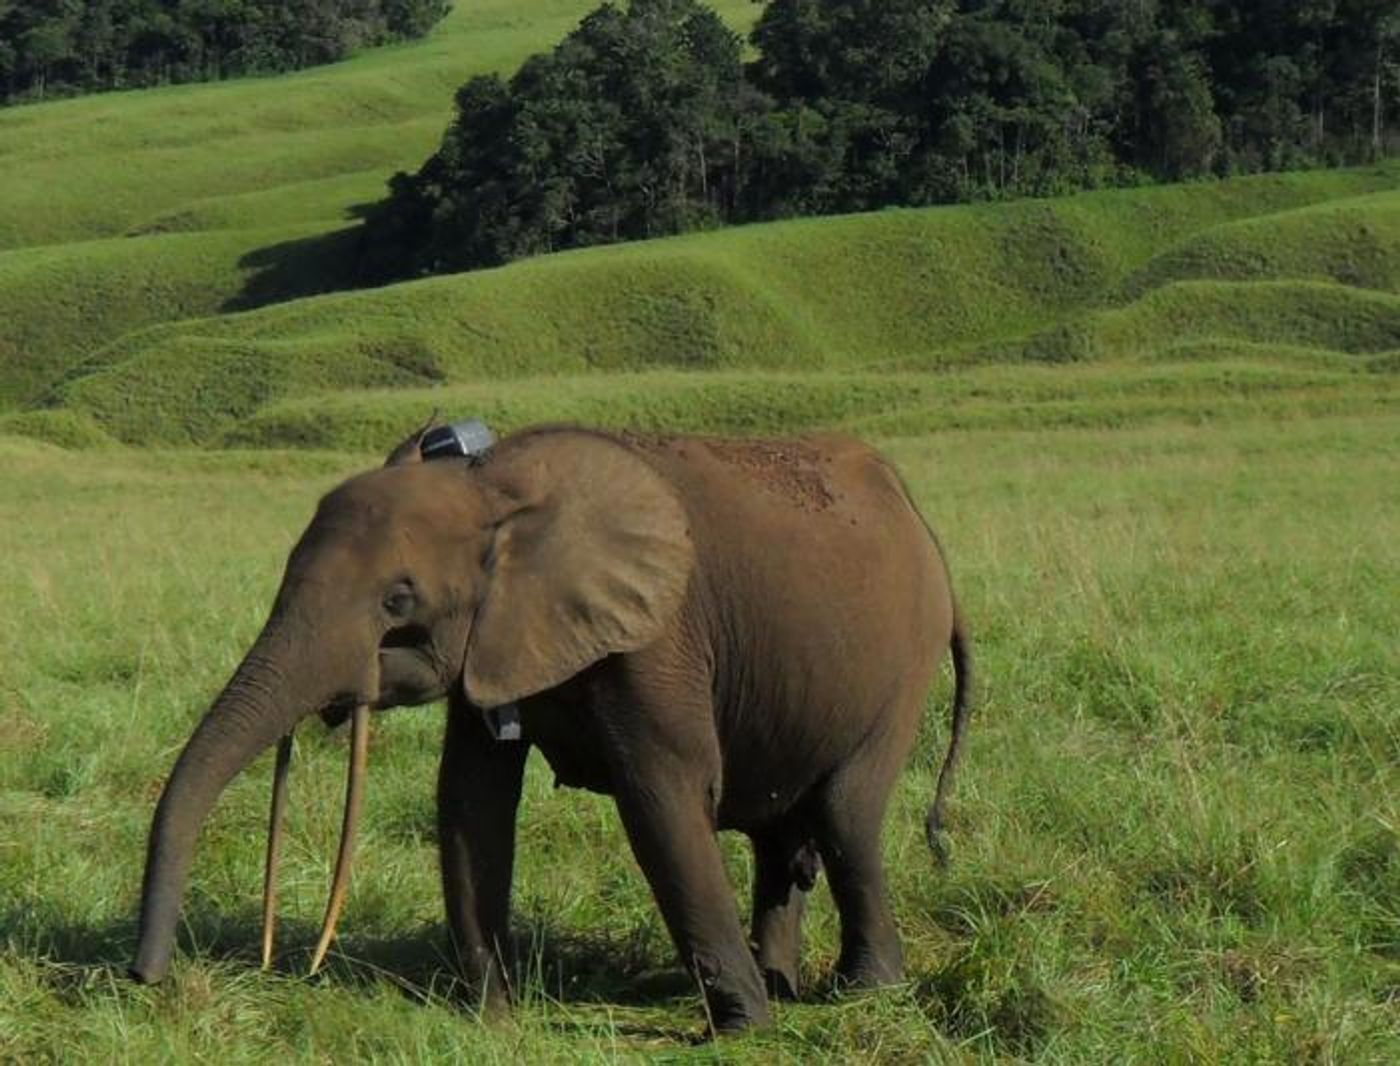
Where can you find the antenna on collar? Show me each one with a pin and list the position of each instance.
(470, 440)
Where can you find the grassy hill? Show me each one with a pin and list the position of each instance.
(96, 192)
(161, 255)
(107, 165)
(1299, 262)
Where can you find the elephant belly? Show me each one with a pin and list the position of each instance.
(573, 769)
(765, 785)
(784, 741)
(565, 735)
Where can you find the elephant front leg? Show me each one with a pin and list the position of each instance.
(479, 782)
(665, 762)
(675, 844)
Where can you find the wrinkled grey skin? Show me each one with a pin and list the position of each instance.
(721, 634)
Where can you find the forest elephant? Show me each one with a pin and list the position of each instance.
(719, 633)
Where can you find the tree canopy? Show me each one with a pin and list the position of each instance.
(644, 120)
(62, 47)
(632, 127)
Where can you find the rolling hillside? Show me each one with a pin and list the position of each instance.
(170, 260)
(1298, 268)
(128, 209)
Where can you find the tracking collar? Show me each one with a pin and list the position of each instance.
(470, 440)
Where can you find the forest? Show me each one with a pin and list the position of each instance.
(54, 48)
(651, 119)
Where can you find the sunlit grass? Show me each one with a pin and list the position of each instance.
(116, 333)
(120, 210)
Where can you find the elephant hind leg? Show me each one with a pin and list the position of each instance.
(785, 869)
(673, 838)
(850, 819)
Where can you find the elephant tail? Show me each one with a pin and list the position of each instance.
(961, 647)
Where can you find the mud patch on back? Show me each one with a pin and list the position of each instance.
(792, 469)
(652, 443)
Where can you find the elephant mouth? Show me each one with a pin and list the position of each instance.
(349, 827)
(408, 636)
(409, 674)
(335, 715)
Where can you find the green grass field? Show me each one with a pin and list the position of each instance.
(1177, 836)
(1157, 429)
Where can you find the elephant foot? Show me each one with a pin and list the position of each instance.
(860, 981)
(780, 982)
(734, 1001)
(490, 1002)
(481, 985)
(729, 1019)
(867, 971)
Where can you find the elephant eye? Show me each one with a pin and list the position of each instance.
(400, 601)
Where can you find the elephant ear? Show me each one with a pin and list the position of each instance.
(592, 556)
(407, 450)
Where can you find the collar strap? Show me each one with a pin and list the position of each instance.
(504, 722)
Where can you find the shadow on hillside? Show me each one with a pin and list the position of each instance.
(561, 965)
(290, 270)
(362, 210)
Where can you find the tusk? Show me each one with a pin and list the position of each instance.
(274, 846)
(354, 795)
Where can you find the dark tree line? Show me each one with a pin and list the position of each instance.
(635, 125)
(645, 120)
(62, 47)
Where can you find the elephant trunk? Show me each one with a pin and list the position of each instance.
(251, 713)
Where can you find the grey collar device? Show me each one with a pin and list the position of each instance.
(471, 440)
(504, 722)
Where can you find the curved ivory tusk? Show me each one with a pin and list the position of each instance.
(354, 795)
(274, 846)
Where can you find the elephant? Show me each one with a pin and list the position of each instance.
(720, 633)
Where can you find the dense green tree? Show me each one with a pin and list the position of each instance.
(1303, 82)
(50, 47)
(1363, 64)
(1177, 133)
(848, 78)
(413, 18)
(1007, 119)
(871, 51)
(634, 126)
(642, 121)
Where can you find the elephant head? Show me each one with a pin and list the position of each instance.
(504, 577)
